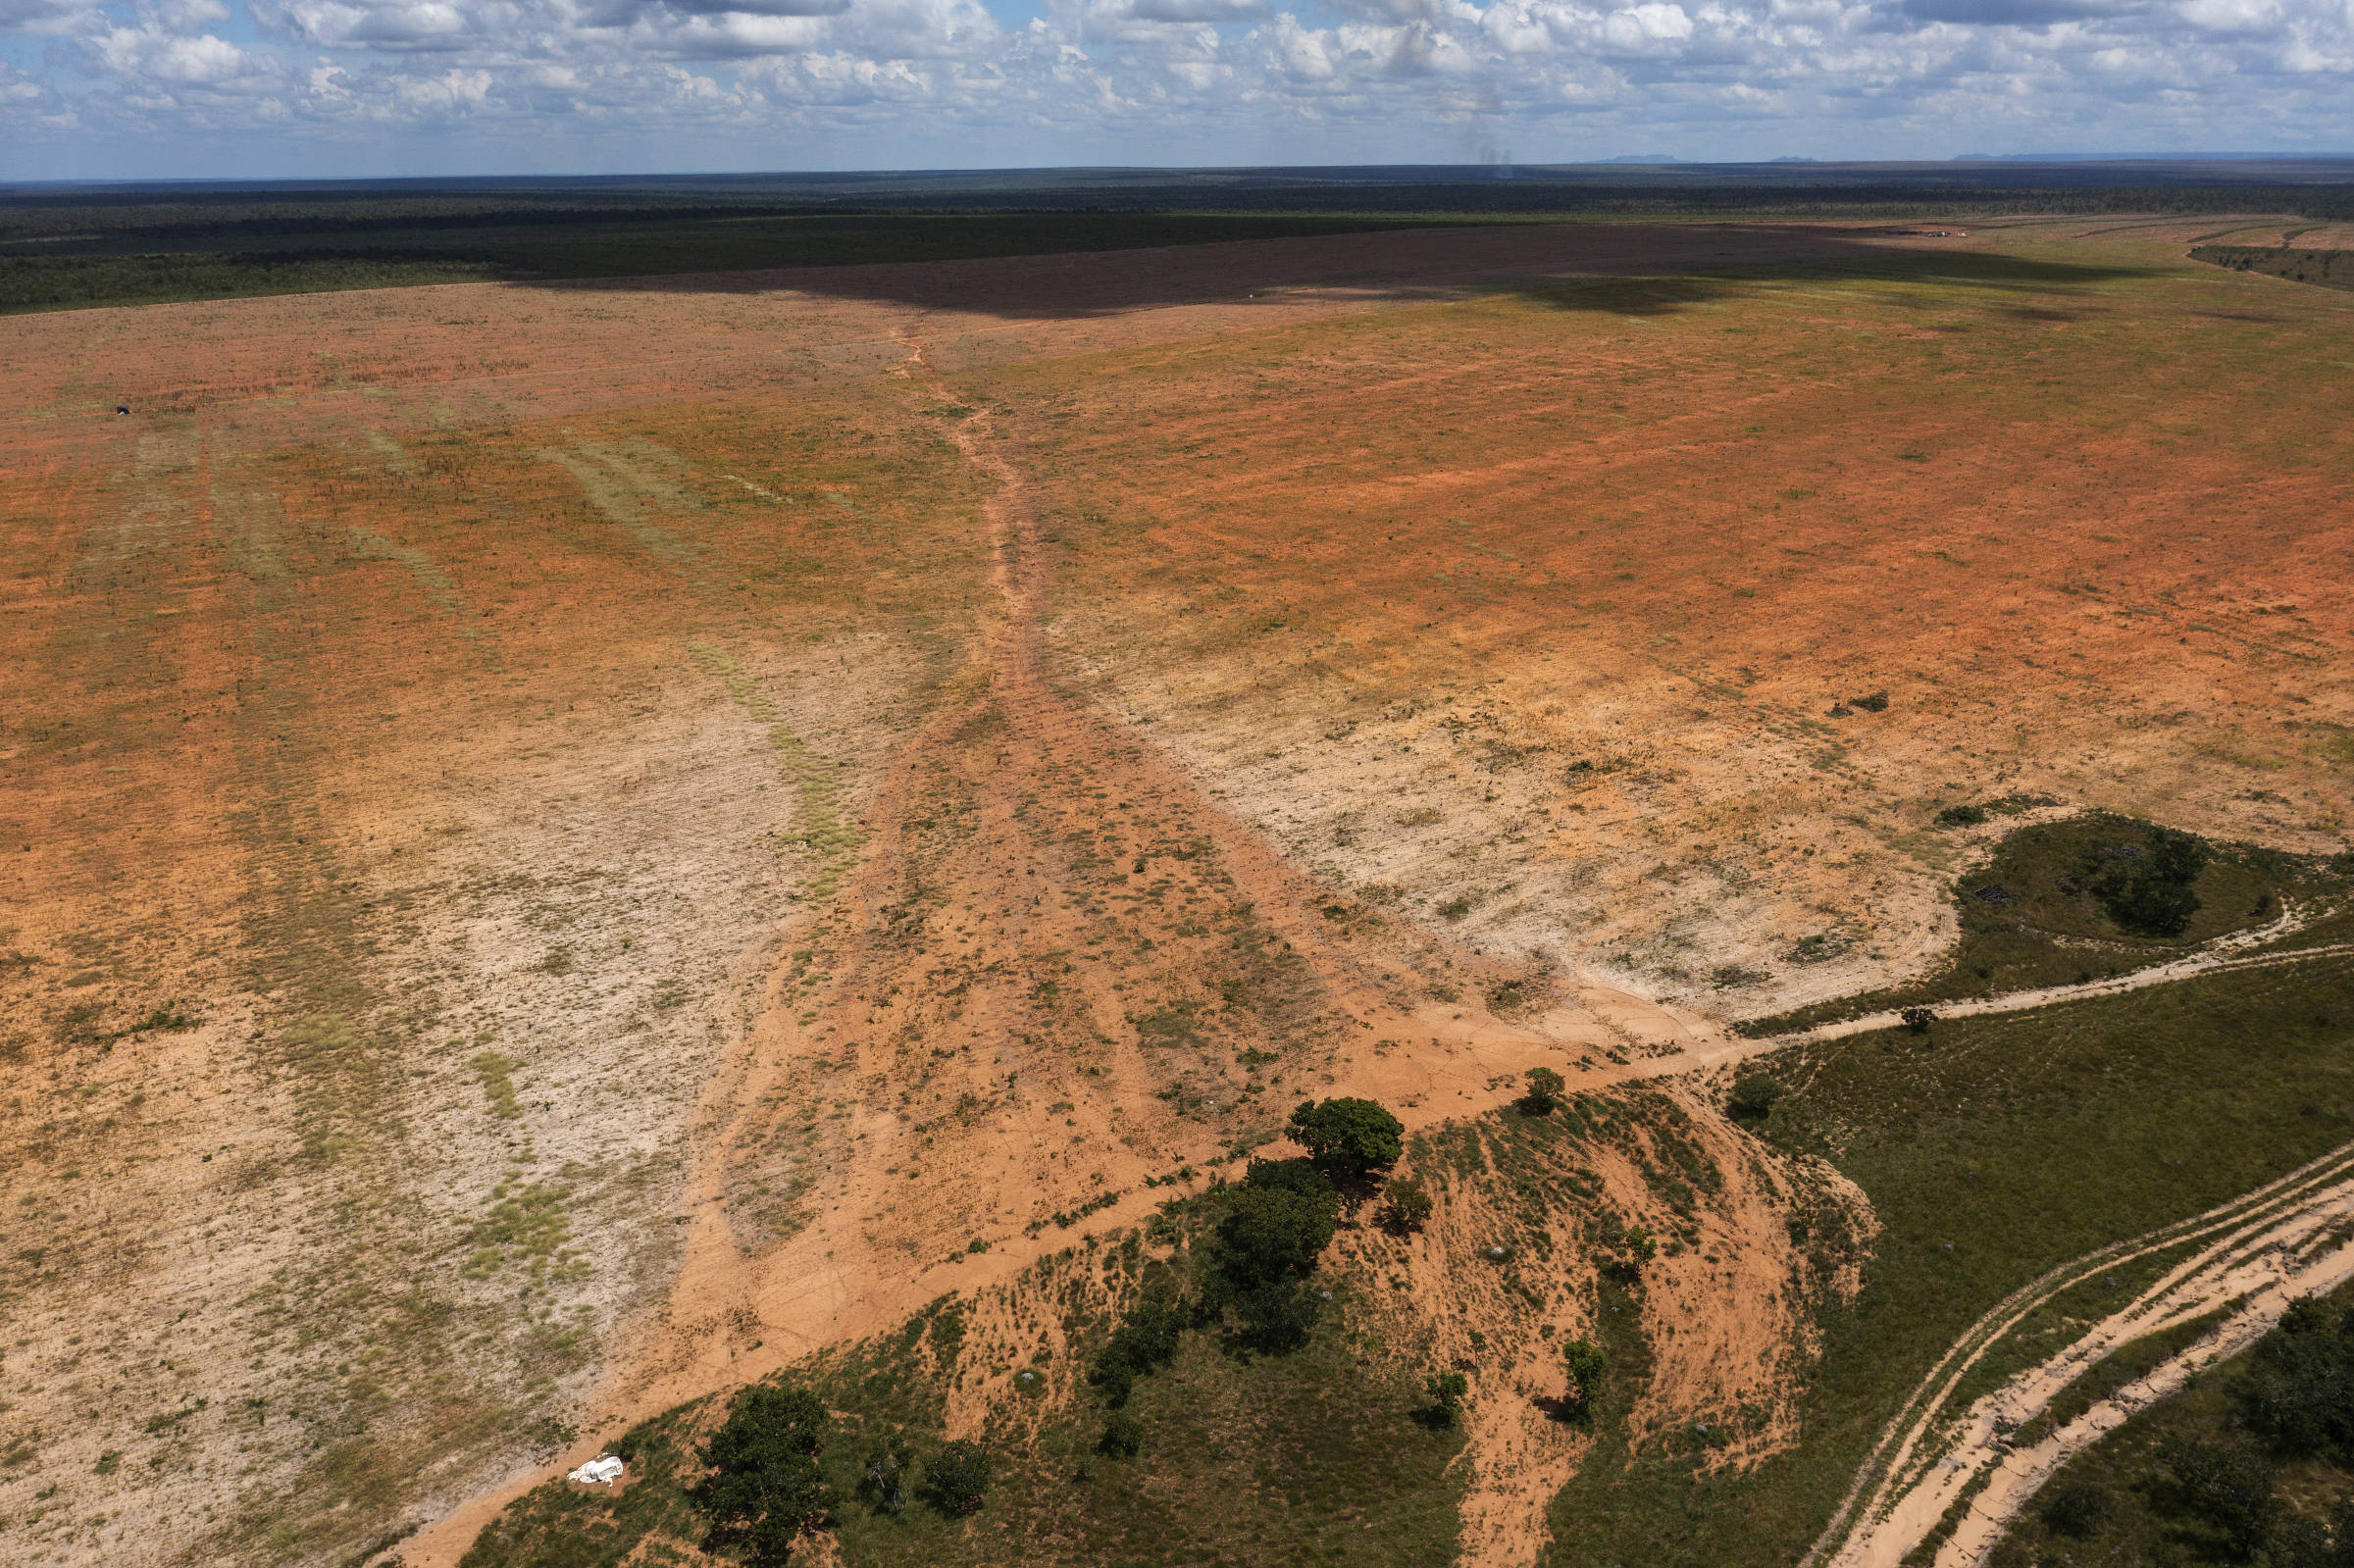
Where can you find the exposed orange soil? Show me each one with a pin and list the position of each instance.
(1010, 1043)
(694, 709)
(403, 708)
(1530, 612)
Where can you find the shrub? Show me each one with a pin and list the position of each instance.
(1447, 1391)
(1631, 1249)
(1545, 1086)
(1587, 1367)
(1918, 1019)
(2227, 1485)
(2151, 892)
(1123, 1436)
(956, 1478)
(765, 1487)
(2078, 1508)
(883, 1486)
(1752, 1097)
(1404, 1208)
(1348, 1135)
(1146, 1339)
(1961, 816)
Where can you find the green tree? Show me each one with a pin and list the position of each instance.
(1123, 1436)
(2227, 1484)
(1349, 1137)
(1405, 1206)
(1275, 1223)
(2151, 891)
(1274, 1226)
(1752, 1097)
(956, 1478)
(1545, 1086)
(1587, 1367)
(1629, 1251)
(765, 1487)
(1447, 1391)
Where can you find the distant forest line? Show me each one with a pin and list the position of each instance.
(78, 247)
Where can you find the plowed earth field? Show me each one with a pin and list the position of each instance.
(570, 846)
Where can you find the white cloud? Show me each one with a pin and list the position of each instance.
(792, 82)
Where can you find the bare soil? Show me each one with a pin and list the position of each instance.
(575, 844)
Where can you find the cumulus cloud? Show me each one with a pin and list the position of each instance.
(861, 81)
(1197, 10)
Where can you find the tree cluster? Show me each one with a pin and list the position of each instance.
(2150, 891)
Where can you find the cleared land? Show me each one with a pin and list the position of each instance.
(581, 845)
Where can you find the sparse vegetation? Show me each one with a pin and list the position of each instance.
(2085, 896)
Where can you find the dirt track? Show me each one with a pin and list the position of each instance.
(1035, 958)
(946, 938)
(2259, 1251)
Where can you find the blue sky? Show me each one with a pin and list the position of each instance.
(177, 88)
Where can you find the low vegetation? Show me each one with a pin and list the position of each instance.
(2331, 269)
(1225, 1413)
(2252, 1463)
(2082, 898)
(1991, 1148)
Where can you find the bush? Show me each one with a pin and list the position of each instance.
(1123, 1436)
(1752, 1097)
(1351, 1137)
(1146, 1339)
(883, 1486)
(956, 1478)
(1404, 1208)
(2298, 1392)
(765, 1487)
(2151, 892)
(1587, 1367)
(2227, 1485)
(1545, 1088)
(1918, 1019)
(2078, 1508)
(1447, 1391)
(1961, 816)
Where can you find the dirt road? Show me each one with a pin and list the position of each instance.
(1029, 998)
(2252, 1257)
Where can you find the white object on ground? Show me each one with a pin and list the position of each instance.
(597, 1472)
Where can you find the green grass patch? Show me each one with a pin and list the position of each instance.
(1992, 1149)
(2034, 916)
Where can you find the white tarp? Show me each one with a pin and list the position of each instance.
(597, 1472)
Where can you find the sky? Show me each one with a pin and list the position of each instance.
(333, 88)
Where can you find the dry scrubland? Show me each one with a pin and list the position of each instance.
(1528, 615)
(573, 846)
